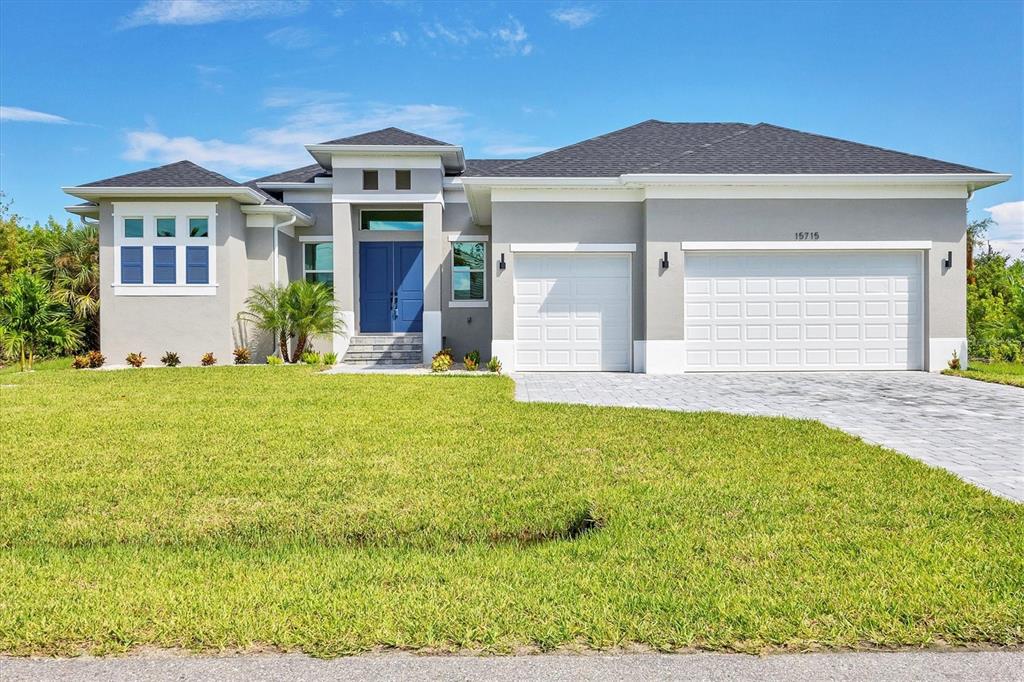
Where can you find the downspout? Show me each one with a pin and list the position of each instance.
(277, 263)
(87, 223)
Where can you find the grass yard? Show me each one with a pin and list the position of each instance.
(272, 506)
(1009, 373)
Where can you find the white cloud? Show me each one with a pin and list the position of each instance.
(192, 12)
(513, 38)
(1011, 247)
(30, 116)
(398, 38)
(1008, 235)
(209, 77)
(457, 36)
(292, 38)
(574, 17)
(312, 117)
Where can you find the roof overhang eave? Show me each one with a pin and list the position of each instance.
(972, 181)
(301, 219)
(88, 210)
(452, 156)
(243, 195)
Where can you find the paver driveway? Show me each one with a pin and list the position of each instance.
(972, 428)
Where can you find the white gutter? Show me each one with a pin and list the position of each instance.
(277, 264)
(242, 194)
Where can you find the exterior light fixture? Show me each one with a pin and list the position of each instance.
(948, 262)
(501, 263)
(664, 261)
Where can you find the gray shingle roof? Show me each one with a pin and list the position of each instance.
(484, 167)
(178, 174)
(392, 136)
(739, 148)
(304, 174)
(270, 199)
(770, 149)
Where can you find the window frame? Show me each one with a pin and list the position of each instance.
(198, 217)
(124, 226)
(375, 174)
(408, 174)
(391, 210)
(156, 226)
(470, 302)
(306, 271)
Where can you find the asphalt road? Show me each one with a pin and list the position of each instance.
(1002, 666)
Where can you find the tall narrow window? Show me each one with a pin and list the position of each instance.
(318, 263)
(165, 227)
(133, 228)
(469, 271)
(131, 265)
(197, 265)
(370, 180)
(403, 179)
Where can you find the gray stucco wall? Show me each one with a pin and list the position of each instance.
(187, 325)
(350, 181)
(464, 329)
(555, 222)
(942, 221)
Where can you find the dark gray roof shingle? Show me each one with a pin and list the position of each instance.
(389, 136)
(178, 174)
(770, 149)
(484, 167)
(737, 148)
(304, 174)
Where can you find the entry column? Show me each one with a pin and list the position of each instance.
(344, 277)
(433, 254)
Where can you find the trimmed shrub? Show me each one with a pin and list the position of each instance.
(274, 360)
(170, 359)
(135, 359)
(494, 365)
(95, 358)
(208, 360)
(471, 361)
(242, 355)
(311, 357)
(442, 360)
(80, 362)
(330, 359)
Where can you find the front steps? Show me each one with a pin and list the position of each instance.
(385, 349)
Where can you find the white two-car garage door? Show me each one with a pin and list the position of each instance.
(572, 312)
(784, 310)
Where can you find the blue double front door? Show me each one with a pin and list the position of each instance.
(390, 287)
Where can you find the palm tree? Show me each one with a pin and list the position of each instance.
(32, 319)
(265, 308)
(311, 310)
(72, 266)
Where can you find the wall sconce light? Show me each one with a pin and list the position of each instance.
(664, 261)
(948, 262)
(501, 263)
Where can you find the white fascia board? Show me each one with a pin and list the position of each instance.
(873, 245)
(302, 220)
(287, 185)
(245, 195)
(541, 182)
(316, 238)
(567, 194)
(452, 155)
(975, 179)
(390, 198)
(89, 211)
(572, 247)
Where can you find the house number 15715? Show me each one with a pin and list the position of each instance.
(801, 236)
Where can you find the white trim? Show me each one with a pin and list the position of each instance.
(979, 179)
(466, 237)
(302, 220)
(468, 304)
(316, 238)
(572, 247)
(359, 222)
(804, 245)
(391, 198)
(91, 210)
(879, 190)
(431, 334)
(639, 356)
(164, 289)
(243, 194)
(487, 256)
(569, 194)
(182, 211)
(505, 351)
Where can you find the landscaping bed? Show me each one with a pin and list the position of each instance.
(209, 509)
(1008, 373)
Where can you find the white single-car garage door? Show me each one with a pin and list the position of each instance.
(785, 310)
(572, 312)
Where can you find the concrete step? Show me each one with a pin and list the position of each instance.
(357, 356)
(382, 363)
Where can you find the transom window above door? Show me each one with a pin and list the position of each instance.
(392, 219)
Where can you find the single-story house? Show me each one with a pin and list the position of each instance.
(659, 248)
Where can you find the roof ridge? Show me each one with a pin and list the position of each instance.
(576, 144)
(705, 145)
(872, 146)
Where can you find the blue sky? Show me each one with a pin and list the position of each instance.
(91, 90)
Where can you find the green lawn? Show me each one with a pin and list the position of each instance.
(1009, 373)
(273, 506)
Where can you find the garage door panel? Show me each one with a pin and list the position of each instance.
(792, 311)
(576, 312)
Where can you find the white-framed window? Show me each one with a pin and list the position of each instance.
(403, 180)
(165, 248)
(371, 180)
(318, 262)
(469, 270)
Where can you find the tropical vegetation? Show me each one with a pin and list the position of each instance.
(33, 320)
(298, 310)
(995, 300)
